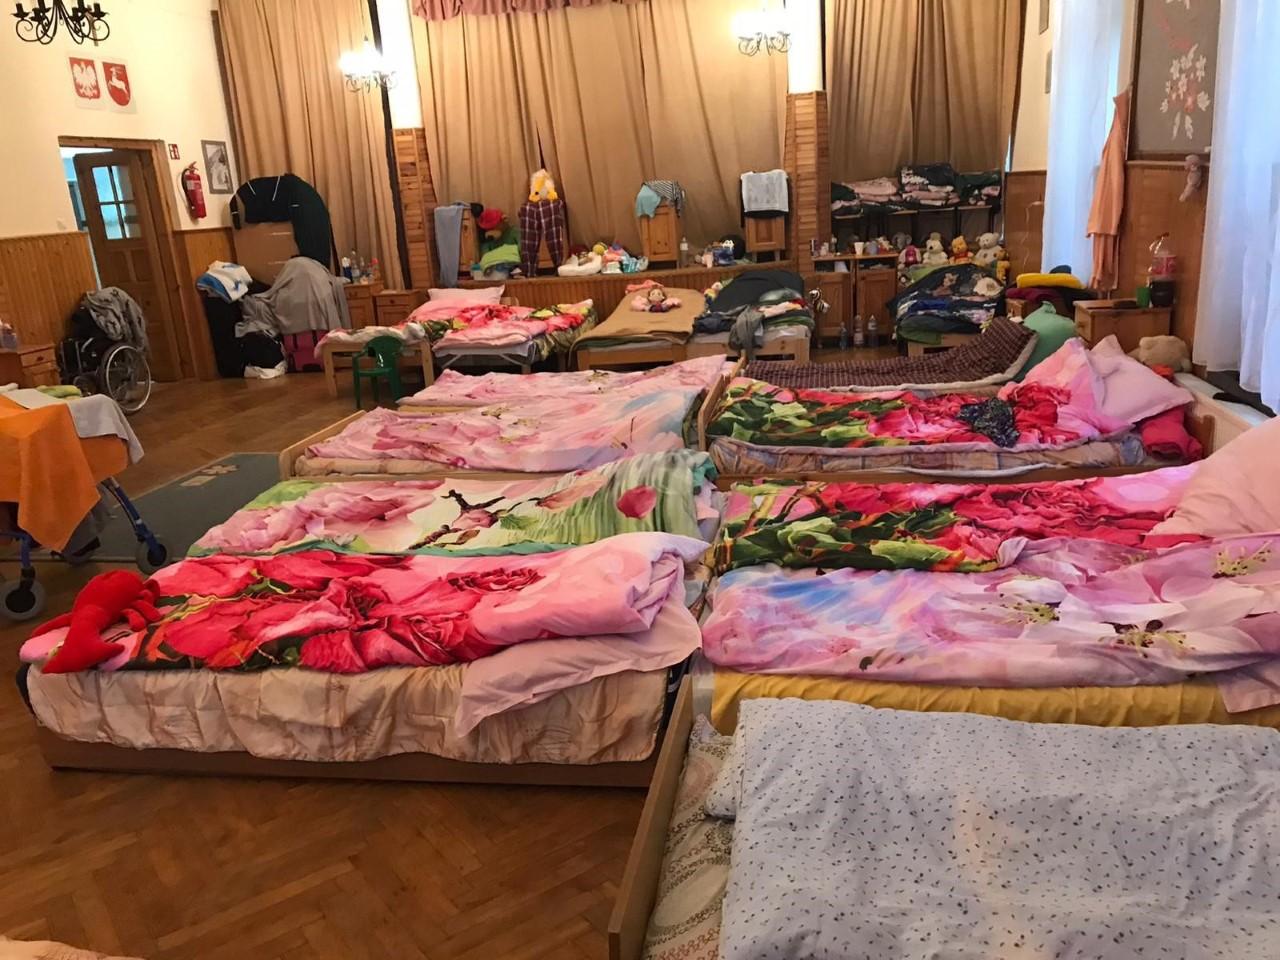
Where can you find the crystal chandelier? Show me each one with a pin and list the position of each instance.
(366, 68)
(761, 29)
(40, 24)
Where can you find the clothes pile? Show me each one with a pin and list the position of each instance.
(1059, 288)
(960, 298)
(305, 301)
(929, 185)
(226, 281)
(916, 187)
(752, 301)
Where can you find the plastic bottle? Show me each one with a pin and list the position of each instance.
(684, 251)
(346, 267)
(873, 333)
(844, 336)
(858, 340)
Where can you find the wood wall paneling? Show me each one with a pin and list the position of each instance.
(42, 279)
(417, 204)
(1024, 220)
(807, 160)
(1151, 207)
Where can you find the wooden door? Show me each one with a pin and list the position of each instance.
(126, 245)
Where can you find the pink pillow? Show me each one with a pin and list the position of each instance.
(1069, 368)
(1131, 390)
(480, 295)
(527, 673)
(1233, 491)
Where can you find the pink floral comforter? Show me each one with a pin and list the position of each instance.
(350, 614)
(1066, 612)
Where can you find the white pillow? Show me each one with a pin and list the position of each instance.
(462, 295)
(1132, 391)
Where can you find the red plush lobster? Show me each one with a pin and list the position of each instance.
(107, 598)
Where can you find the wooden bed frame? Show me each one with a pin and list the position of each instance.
(335, 355)
(638, 890)
(947, 341)
(791, 349)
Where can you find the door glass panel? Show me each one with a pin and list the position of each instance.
(132, 228)
(124, 186)
(102, 181)
(111, 221)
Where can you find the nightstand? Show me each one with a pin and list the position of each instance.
(1098, 319)
(34, 365)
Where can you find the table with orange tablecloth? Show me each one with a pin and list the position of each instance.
(51, 473)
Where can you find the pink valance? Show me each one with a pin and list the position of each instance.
(447, 9)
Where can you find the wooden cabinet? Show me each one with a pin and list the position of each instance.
(876, 285)
(1098, 319)
(837, 290)
(31, 366)
(766, 234)
(360, 304)
(660, 234)
(394, 306)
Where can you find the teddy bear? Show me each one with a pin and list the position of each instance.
(987, 252)
(960, 250)
(934, 255)
(542, 187)
(1169, 352)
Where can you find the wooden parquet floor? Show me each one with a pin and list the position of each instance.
(171, 867)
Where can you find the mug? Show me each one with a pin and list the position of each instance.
(1143, 296)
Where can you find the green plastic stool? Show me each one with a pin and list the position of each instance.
(385, 352)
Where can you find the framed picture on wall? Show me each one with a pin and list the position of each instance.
(1044, 15)
(1177, 59)
(217, 164)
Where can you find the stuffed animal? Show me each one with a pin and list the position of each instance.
(651, 297)
(910, 256)
(542, 187)
(104, 601)
(986, 254)
(1163, 352)
(988, 287)
(901, 240)
(934, 255)
(960, 250)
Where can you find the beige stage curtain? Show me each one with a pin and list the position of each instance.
(714, 114)
(916, 81)
(293, 113)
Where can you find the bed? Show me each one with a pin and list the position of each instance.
(533, 431)
(698, 887)
(946, 301)
(1079, 412)
(630, 336)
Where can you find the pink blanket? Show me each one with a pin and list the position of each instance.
(351, 614)
(1066, 613)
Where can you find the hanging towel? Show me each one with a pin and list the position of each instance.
(765, 192)
(227, 281)
(448, 237)
(668, 190)
(1108, 199)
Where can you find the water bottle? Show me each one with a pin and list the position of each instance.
(844, 336)
(858, 340)
(873, 334)
(684, 252)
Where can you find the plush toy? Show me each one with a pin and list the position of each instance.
(910, 256)
(542, 187)
(988, 287)
(987, 252)
(902, 240)
(960, 250)
(104, 601)
(651, 297)
(1163, 352)
(934, 255)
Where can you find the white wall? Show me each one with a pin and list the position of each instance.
(1031, 136)
(172, 58)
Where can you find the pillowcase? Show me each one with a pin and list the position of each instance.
(1132, 391)
(1234, 490)
(463, 295)
(1068, 368)
(1052, 330)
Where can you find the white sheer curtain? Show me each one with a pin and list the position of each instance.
(1238, 315)
(1086, 62)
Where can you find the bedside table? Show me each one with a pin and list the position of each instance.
(30, 366)
(1098, 319)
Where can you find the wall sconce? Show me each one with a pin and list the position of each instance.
(762, 29)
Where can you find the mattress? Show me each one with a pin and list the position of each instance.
(289, 714)
(740, 458)
(1193, 701)
(625, 325)
(531, 351)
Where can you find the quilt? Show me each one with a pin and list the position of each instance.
(490, 324)
(893, 835)
(342, 613)
(964, 528)
(1065, 612)
(960, 298)
(662, 492)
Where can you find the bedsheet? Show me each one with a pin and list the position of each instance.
(339, 613)
(964, 836)
(448, 322)
(626, 324)
(664, 492)
(546, 435)
(936, 526)
(1066, 612)
(458, 389)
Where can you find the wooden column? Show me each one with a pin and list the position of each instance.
(807, 160)
(417, 205)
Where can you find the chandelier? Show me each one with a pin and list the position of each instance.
(761, 29)
(365, 69)
(40, 24)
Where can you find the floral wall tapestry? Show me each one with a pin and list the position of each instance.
(1177, 60)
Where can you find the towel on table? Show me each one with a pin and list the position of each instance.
(765, 192)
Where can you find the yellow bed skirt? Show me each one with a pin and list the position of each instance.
(1195, 701)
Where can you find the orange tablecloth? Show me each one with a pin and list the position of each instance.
(50, 472)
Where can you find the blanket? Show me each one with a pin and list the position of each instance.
(350, 614)
(997, 354)
(891, 835)
(490, 324)
(670, 492)
(1065, 612)
(963, 528)
(459, 389)
(1027, 416)
(960, 298)
(627, 325)
(546, 435)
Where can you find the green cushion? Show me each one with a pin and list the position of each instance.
(1052, 331)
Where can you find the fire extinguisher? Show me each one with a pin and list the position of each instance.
(194, 192)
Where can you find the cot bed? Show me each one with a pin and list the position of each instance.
(631, 337)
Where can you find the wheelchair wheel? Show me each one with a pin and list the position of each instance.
(19, 601)
(125, 376)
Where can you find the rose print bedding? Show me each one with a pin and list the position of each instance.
(491, 323)
(936, 526)
(1065, 612)
(351, 614)
(660, 492)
